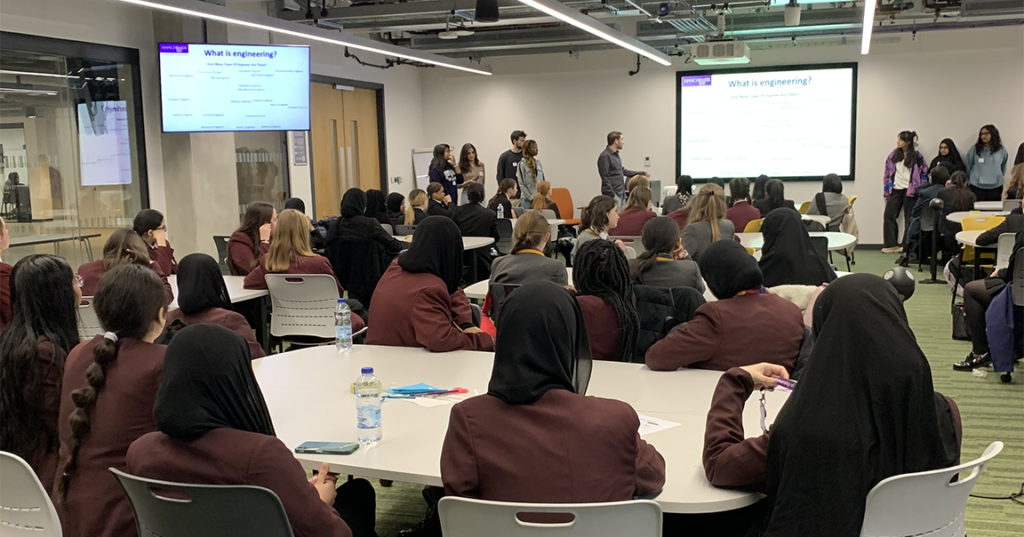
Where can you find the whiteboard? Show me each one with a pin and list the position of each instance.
(421, 166)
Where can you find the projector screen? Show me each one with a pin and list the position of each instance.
(790, 123)
(215, 88)
(104, 149)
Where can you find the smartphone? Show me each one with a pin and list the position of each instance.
(328, 448)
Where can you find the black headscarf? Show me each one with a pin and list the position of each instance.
(295, 203)
(729, 269)
(952, 162)
(353, 203)
(395, 203)
(376, 204)
(200, 284)
(788, 257)
(208, 383)
(864, 410)
(436, 249)
(542, 345)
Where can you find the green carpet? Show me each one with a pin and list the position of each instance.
(990, 411)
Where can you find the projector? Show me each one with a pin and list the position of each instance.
(721, 52)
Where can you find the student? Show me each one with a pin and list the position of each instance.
(471, 168)
(893, 421)
(905, 172)
(707, 223)
(595, 221)
(788, 257)
(354, 224)
(377, 207)
(746, 325)
(635, 181)
(948, 157)
(418, 302)
(635, 213)
(152, 227)
(473, 219)
(541, 202)
(5, 277)
(203, 299)
(251, 240)
(986, 164)
(506, 192)
(760, 188)
(605, 293)
(740, 211)
(442, 170)
(958, 195)
(529, 172)
(396, 206)
(937, 178)
(508, 162)
(317, 230)
(106, 403)
(775, 198)
(664, 262)
(535, 436)
(1015, 188)
(213, 428)
(416, 211)
(830, 202)
(124, 247)
(33, 348)
(684, 189)
(439, 204)
(527, 262)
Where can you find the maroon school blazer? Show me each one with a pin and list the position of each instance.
(631, 222)
(5, 294)
(564, 448)
(241, 259)
(164, 256)
(221, 317)
(46, 408)
(681, 216)
(741, 214)
(602, 328)
(92, 271)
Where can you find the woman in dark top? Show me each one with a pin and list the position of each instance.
(354, 225)
(664, 262)
(252, 239)
(506, 191)
(33, 347)
(684, 189)
(443, 172)
(775, 198)
(473, 219)
(605, 293)
(377, 207)
(893, 421)
(152, 227)
(760, 188)
(788, 257)
(396, 207)
(439, 204)
(535, 436)
(948, 157)
(213, 428)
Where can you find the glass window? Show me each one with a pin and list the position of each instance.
(262, 166)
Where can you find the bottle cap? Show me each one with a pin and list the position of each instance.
(341, 300)
(367, 370)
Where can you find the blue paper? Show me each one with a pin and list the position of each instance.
(414, 389)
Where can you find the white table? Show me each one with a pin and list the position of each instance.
(236, 291)
(468, 243)
(958, 216)
(819, 218)
(836, 240)
(970, 238)
(988, 206)
(478, 291)
(412, 435)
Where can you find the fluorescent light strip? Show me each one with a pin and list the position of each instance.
(260, 22)
(591, 25)
(29, 73)
(869, 22)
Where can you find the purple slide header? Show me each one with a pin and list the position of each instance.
(702, 80)
(174, 48)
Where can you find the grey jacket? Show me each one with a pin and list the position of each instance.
(524, 268)
(609, 165)
(836, 205)
(584, 236)
(671, 274)
(697, 236)
(527, 181)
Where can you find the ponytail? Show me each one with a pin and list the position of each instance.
(709, 205)
(530, 231)
(416, 198)
(660, 236)
(540, 201)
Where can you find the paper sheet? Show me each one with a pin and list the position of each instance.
(650, 425)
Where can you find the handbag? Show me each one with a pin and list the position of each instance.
(961, 330)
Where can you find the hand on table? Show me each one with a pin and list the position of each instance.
(764, 374)
(995, 274)
(325, 483)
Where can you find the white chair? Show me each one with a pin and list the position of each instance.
(88, 322)
(634, 242)
(387, 227)
(464, 517)
(25, 507)
(1009, 205)
(630, 253)
(1004, 250)
(303, 305)
(924, 504)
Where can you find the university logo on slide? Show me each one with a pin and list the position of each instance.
(701, 80)
(180, 48)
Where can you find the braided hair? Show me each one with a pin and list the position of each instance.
(601, 270)
(129, 300)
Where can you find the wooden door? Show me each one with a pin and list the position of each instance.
(346, 150)
(361, 136)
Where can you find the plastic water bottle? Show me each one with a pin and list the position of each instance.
(343, 326)
(501, 211)
(368, 407)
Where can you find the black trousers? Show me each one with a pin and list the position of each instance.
(898, 202)
(357, 505)
(977, 297)
(988, 194)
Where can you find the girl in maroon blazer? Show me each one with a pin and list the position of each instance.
(745, 326)
(106, 403)
(535, 436)
(605, 293)
(124, 247)
(203, 299)
(418, 303)
(214, 429)
(33, 347)
(816, 467)
(5, 277)
(635, 214)
(152, 227)
(250, 242)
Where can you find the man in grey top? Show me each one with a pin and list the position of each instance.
(609, 165)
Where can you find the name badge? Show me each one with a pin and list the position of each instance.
(981, 160)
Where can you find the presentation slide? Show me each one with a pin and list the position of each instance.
(786, 123)
(103, 143)
(214, 88)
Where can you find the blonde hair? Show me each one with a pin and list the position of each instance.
(640, 197)
(637, 180)
(529, 231)
(291, 239)
(540, 201)
(708, 205)
(416, 198)
(1016, 181)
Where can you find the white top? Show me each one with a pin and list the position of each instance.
(836, 240)
(901, 181)
(410, 449)
(235, 290)
(958, 216)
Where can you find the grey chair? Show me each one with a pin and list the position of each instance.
(401, 230)
(165, 509)
(634, 242)
(1009, 205)
(504, 244)
(387, 227)
(520, 211)
(223, 252)
(821, 246)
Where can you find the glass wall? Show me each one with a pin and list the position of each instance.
(262, 167)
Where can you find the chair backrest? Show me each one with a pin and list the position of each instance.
(630, 253)
(924, 504)
(387, 228)
(519, 211)
(88, 322)
(981, 223)
(499, 292)
(656, 192)
(1009, 205)
(1005, 250)
(303, 304)
(754, 226)
(635, 242)
(504, 227)
(548, 213)
(1018, 279)
(821, 246)
(402, 230)
(563, 198)
(928, 217)
(165, 509)
(25, 506)
(804, 207)
(464, 517)
(223, 252)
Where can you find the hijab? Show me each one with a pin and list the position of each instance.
(295, 203)
(436, 249)
(864, 410)
(952, 162)
(376, 204)
(207, 383)
(729, 270)
(542, 345)
(395, 203)
(353, 203)
(788, 257)
(200, 285)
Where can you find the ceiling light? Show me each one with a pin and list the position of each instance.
(869, 22)
(261, 22)
(589, 24)
(29, 73)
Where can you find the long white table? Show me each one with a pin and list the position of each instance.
(970, 238)
(957, 217)
(468, 243)
(836, 240)
(307, 392)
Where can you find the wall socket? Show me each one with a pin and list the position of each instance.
(647, 162)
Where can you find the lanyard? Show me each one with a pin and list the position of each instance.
(758, 291)
(529, 251)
